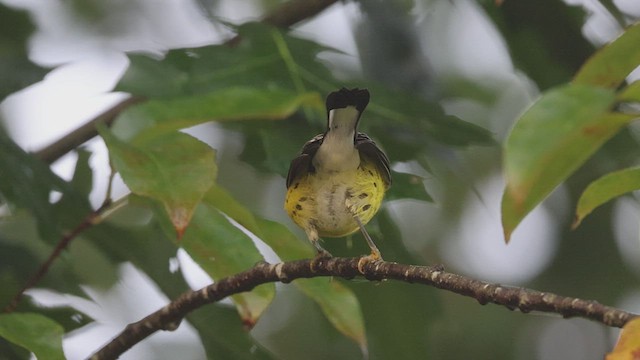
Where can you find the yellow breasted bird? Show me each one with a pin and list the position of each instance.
(337, 182)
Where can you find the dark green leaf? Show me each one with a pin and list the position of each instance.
(17, 71)
(224, 337)
(407, 186)
(253, 61)
(222, 249)
(28, 184)
(131, 234)
(337, 302)
(271, 146)
(405, 125)
(545, 38)
(550, 141)
(393, 305)
(34, 332)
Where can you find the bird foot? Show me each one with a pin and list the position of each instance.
(364, 260)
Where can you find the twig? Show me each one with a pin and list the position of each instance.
(85, 132)
(283, 16)
(60, 246)
(526, 300)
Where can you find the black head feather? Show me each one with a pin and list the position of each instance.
(344, 97)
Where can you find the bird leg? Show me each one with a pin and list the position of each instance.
(375, 253)
(312, 234)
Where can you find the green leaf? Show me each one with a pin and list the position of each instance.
(254, 60)
(604, 189)
(550, 141)
(630, 93)
(338, 303)
(225, 202)
(27, 184)
(82, 180)
(175, 169)
(129, 235)
(34, 332)
(610, 66)
(224, 337)
(222, 249)
(234, 103)
(407, 186)
(17, 70)
(406, 124)
(275, 144)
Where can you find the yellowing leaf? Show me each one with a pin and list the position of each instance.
(550, 141)
(628, 346)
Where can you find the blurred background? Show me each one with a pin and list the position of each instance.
(481, 61)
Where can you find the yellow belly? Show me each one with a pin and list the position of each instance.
(319, 201)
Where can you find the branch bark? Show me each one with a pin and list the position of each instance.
(283, 16)
(525, 300)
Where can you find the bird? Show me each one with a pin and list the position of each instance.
(337, 182)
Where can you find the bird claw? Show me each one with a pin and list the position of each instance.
(364, 260)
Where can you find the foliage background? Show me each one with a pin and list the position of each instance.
(63, 63)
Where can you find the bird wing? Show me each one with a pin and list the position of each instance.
(371, 151)
(301, 164)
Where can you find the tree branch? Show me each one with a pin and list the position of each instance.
(283, 16)
(526, 300)
(85, 132)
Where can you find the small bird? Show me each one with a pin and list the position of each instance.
(337, 182)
